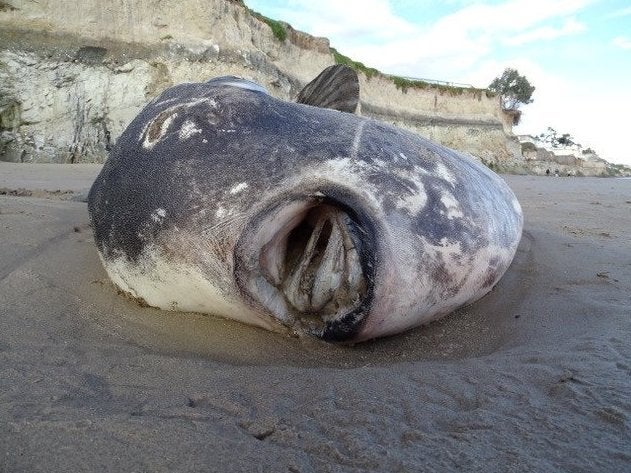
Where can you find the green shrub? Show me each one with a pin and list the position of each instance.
(278, 27)
(404, 84)
(358, 66)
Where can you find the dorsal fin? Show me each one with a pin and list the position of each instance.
(336, 87)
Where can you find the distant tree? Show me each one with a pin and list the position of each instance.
(566, 140)
(513, 88)
(557, 140)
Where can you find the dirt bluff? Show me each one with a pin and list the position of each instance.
(74, 74)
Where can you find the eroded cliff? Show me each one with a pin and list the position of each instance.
(73, 75)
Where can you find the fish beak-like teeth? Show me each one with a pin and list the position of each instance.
(317, 275)
(303, 264)
(321, 267)
(329, 275)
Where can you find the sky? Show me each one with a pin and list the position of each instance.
(577, 53)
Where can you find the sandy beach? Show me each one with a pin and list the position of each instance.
(535, 377)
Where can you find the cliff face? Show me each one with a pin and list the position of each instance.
(73, 75)
(571, 160)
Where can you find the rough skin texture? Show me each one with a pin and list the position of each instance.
(201, 164)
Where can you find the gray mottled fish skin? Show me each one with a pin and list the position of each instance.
(221, 199)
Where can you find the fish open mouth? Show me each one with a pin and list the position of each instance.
(309, 262)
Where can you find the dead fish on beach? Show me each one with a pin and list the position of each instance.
(219, 198)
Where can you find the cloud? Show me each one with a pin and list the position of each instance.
(370, 31)
(545, 33)
(595, 120)
(620, 13)
(354, 21)
(512, 15)
(622, 42)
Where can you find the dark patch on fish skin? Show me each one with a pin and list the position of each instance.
(433, 223)
(487, 208)
(122, 221)
(131, 186)
(396, 150)
(492, 206)
(491, 273)
(490, 278)
(441, 276)
(457, 258)
(394, 188)
(443, 280)
(346, 328)
(390, 144)
(154, 129)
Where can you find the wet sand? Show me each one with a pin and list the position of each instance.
(536, 376)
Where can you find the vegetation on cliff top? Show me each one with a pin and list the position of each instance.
(404, 83)
(358, 66)
(278, 27)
